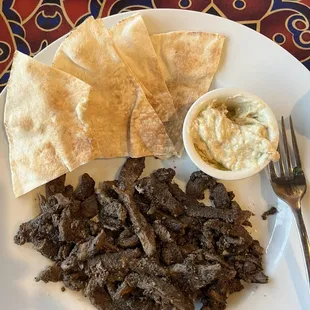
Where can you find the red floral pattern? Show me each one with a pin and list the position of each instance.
(30, 25)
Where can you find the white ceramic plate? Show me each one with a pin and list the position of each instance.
(250, 61)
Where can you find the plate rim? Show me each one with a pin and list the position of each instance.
(125, 14)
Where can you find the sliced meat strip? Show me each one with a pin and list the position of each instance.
(143, 230)
(182, 197)
(158, 194)
(198, 183)
(130, 172)
(227, 215)
(112, 213)
(148, 266)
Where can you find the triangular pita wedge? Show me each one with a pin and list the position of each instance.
(88, 53)
(188, 61)
(135, 47)
(46, 138)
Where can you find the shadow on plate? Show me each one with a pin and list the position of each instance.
(296, 273)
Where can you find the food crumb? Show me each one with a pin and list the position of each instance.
(63, 288)
(271, 211)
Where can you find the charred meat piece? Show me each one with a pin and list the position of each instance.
(129, 242)
(211, 257)
(218, 292)
(210, 304)
(98, 296)
(111, 267)
(164, 175)
(172, 223)
(182, 197)
(85, 187)
(75, 281)
(141, 202)
(148, 266)
(126, 297)
(55, 204)
(73, 228)
(161, 291)
(196, 276)
(256, 249)
(171, 254)
(130, 172)
(112, 213)
(55, 186)
(107, 188)
(38, 228)
(231, 238)
(50, 274)
(271, 211)
(89, 207)
(162, 232)
(64, 251)
(128, 238)
(83, 251)
(198, 183)
(227, 215)
(221, 198)
(114, 208)
(111, 223)
(143, 230)
(158, 194)
(68, 191)
(228, 229)
(47, 248)
(249, 268)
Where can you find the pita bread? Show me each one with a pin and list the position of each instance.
(135, 47)
(188, 61)
(46, 139)
(88, 53)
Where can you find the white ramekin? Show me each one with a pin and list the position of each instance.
(198, 106)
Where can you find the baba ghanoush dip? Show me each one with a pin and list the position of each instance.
(235, 133)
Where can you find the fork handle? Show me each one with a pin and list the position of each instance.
(304, 238)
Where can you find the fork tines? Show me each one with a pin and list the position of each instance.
(285, 161)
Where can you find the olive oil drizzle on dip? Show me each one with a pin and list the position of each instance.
(233, 134)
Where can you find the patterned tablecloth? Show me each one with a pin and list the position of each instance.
(30, 25)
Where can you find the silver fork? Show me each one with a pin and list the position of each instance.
(290, 186)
